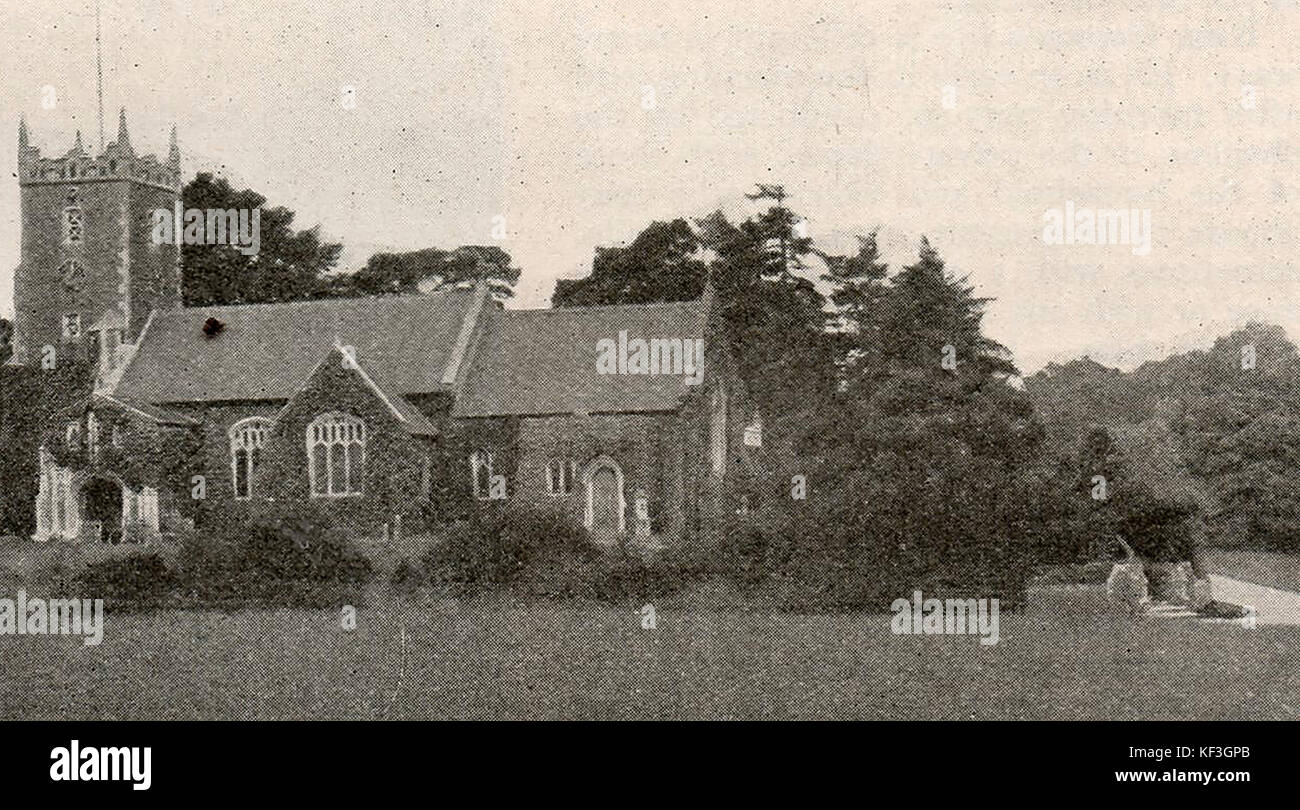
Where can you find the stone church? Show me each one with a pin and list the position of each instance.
(373, 409)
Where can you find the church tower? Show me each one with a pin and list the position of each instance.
(90, 272)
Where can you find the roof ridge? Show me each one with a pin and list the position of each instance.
(405, 412)
(648, 305)
(269, 348)
(322, 301)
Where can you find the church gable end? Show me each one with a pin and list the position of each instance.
(350, 445)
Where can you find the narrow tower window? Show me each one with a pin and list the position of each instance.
(72, 225)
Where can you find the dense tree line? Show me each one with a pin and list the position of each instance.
(884, 400)
(926, 462)
(292, 265)
(1222, 425)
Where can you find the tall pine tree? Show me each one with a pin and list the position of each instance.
(858, 287)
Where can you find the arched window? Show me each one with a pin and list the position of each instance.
(247, 438)
(336, 455)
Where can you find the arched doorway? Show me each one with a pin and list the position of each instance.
(606, 505)
(101, 510)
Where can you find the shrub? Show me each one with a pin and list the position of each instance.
(755, 548)
(625, 578)
(40, 568)
(242, 554)
(560, 573)
(630, 579)
(880, 540)
(535, 549)
(405, 576)
(542, 553)
(136, 581)
(1158, 529)
(463, 558)
(139, 531)
(300, 544)
(211, 550)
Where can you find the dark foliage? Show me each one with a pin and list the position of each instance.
(29, 398)
(433, 269)
(133, 582)
(290, 265)
(506, 546)
(298, 560)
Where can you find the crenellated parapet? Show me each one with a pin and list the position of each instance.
(117, 162)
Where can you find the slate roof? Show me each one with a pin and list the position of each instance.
(522, 362)
(543, 361)
(267, 351)
(412, 420)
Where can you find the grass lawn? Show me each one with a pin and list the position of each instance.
(1269, 568)
(490, 657)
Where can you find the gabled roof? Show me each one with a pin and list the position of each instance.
(407, 415)
(161, 416)
(543, 361)
(154, 414)
(267, 351)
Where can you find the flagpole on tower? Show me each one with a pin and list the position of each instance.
(99, 78)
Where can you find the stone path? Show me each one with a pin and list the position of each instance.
(1165, 610)
(1272, 605)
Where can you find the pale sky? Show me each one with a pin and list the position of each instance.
(581, 122)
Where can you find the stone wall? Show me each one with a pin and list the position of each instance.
(397, 463)
(644, 446)
(121, 269)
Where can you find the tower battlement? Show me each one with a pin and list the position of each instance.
(90, 273)
(117, 162)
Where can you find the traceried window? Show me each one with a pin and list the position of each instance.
(72, 225)
(72, 325)
(480, 465)
(336, 455)
(754, 432)
(560, 474)
(247, 438)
